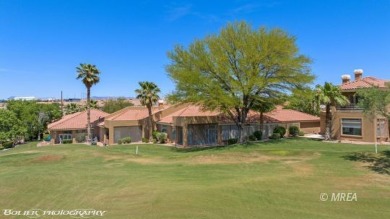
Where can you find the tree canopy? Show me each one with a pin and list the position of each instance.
(237, 69)
(11, 127)
(113, 105)
(375, 101)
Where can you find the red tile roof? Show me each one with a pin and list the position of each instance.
(278, 115)
(364, 83)
(288, 115)
(188, 111)
(134, 113)
(76, 121)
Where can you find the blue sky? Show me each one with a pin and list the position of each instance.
(42, 42)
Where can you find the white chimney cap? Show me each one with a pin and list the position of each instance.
(357, 71)
(346, 76)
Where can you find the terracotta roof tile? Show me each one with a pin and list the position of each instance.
(76, 120)
(134, 113)
(364, 83)
(188, 111)
(288, 115)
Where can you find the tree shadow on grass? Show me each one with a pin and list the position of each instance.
(379, 163)
(227, 146)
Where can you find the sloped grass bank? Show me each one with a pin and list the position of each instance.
(277, 179)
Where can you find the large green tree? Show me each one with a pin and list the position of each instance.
(331, 96)
(11, 128)
(34, 116)
(89, 75)
(305, 100)
(148, 96)
(113, 105)
(72, 108)
(237, 69)
(375, 102)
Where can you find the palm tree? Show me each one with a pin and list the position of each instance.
(89, 74)
(331, 96)
(148, 95)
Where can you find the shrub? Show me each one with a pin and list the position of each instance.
(68, 141)
(125, 140)
(155, 134)
(162, 137)
(301, 133)
(145, 140)
(275, 136)
(281, 130)
(93, 143)
(119, 141)
(258, 135)
(232, 141)
(8, 144)
(293, 130)
(252, 138)
(1, 147)
(80, 137)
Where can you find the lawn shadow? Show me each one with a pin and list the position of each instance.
(379, 163)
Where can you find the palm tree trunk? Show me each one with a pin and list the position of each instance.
(150, 122)
(328, 123)
(88, 115)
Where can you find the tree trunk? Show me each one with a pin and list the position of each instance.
(262, 124)
(328, 123)
(242, 120)
(150, 123)
(88, 115)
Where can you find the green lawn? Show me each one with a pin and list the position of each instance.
(281, 179)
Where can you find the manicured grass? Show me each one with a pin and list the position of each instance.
(280, 179)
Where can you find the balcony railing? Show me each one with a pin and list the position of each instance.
(349, 107)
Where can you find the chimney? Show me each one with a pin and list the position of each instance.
(345, 78)
(160, 104)
(358, 74)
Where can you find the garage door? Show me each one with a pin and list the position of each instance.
(134, 132)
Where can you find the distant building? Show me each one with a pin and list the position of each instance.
(22, 98)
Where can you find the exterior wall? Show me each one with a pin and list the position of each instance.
(110, 125)
(310, 127)
(368, 126)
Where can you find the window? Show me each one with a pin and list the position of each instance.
(351, 127)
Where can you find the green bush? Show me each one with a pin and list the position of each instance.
(8, 144)
(145, 140)
(162, 137)
(69, 141)
(119, 141)
(258, 135)
(125, 140)
(159, 137)
(301, 133)
(93, 143)
(1, 147)
(275, 136)
(281, 130)
(155, 134)
(80, 137)
(293, 130)
(252, 138)
(232, 141)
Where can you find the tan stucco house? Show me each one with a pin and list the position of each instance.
(74, 124)
(349, 122)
